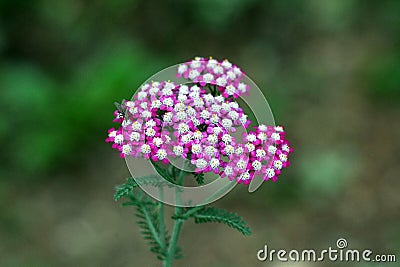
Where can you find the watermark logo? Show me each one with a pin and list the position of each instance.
(339, 253)
(191, 196)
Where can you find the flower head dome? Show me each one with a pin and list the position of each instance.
(199, 121)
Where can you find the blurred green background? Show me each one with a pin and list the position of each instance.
(329, 69)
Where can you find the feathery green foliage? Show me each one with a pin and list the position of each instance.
(147, 213)
(151, 217)
(199, 178)
(124, 189)
(231, 219)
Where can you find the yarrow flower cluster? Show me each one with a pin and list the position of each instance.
(198, 121)
(224, 75)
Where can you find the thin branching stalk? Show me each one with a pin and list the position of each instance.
(176, 230)
(161, 219)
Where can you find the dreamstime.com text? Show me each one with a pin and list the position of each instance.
(339, 253)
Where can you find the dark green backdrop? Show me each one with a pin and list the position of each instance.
(329, 69)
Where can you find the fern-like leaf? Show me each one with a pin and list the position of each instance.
(199, 178)
(124, 189)
(147, 212)
(149, 224)
(231, 219)
(149, 229)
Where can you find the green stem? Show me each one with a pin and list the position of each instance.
(151, 226)
(161, 219)
(176, 230)
(197, 208)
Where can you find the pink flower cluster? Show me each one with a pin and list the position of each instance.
(165, 120)
(226, 76)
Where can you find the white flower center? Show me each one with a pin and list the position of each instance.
(118, 139)
(251, 138)
(186, 138)
(221, 81)
(227, 138)
(228, 170)
(227, 123)
(146, 114)
(218, 69)
(183, 128)
(260, 153)
(205, 114)
(242, 87)
(275, 136)
(231, 75)
(239, 151)
(214, 163)
(250, 147)
(150, 123)
(212, 138)
(229, 150)
(195, 64)
(243, 119)
(197, 135)
(233, 115)
(180, 107)
(210, 150)
(181, 115)
(143, 105)
(214, 118)
(278, 164)
(136, 126)
(167, 117)
(283, 157)
(198, 102)
(212, 63)
(244, 176)
(184, 89)
(219, 98)
(135, 136)
(201, 163)
(182, 98)
(156, 104)
(190, 111)
(141, 95)
(216, 108)
(193, 74)
(196, 149)
(226, 64)
(262, 127)
(270, 172)
(145, 149)
(126, 149)
(285, 148)
(272, 150)
(208, 77)
(182, 68)
(158, 141)
(161, 154)
(178, 150)
(112, 134)
(230, 89)
(256, 165)
(262, 136)
(241, 164)
(153, 90)
(150, 132)
(168, 102)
